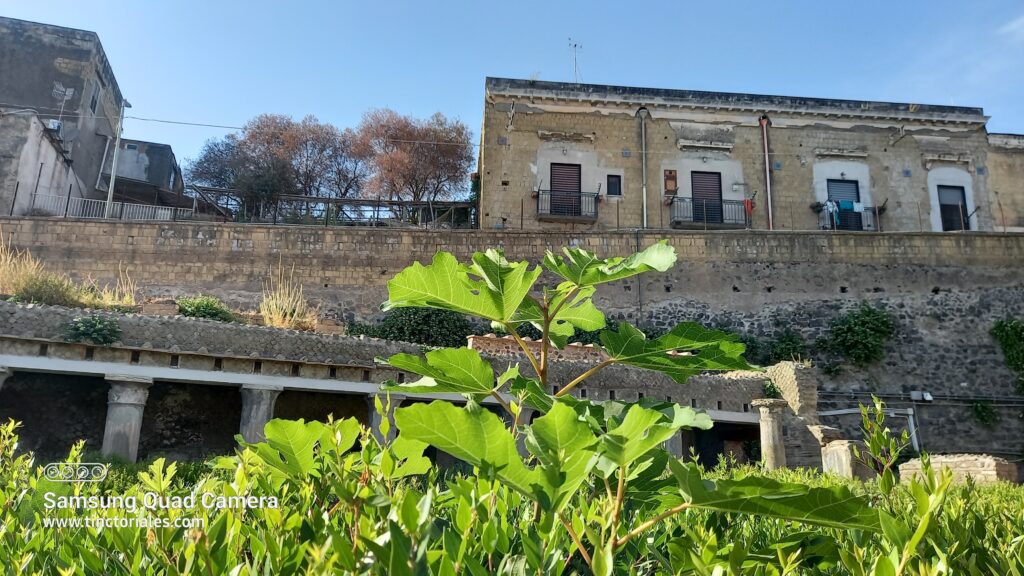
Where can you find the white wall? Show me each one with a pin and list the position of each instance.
(950, 176)
(698, 161)
(593, 175)
(55, 179)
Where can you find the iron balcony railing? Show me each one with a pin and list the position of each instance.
(866, 221)
(49, 205)
(556, 204)
(724, 212)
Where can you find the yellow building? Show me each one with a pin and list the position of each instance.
(562, 156)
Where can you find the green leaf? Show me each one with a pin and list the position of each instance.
(531, 393)
(687, 350)
(644, 429)
(835, 507)
(575, 311)
(564, 446)
(472, 434)
(458, 370)
(490, 288)
(289, 445)
(584, 268)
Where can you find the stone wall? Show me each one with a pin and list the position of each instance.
(983, 468)
(945, 292)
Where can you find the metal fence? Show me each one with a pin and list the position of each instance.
(72, 207)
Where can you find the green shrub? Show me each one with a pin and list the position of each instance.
(1009, 334)
(788, 346)
(771, 390)
(95, 329)
(205, 307)
(49, 288)
(426, 326)
(860, 335)
(984, 413)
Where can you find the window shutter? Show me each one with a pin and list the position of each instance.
(565, 177)
(707, 196)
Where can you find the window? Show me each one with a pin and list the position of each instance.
(706, 190)
(95, 98)
(846, 193)
(953, 208)
(131, 146)
(614, 185)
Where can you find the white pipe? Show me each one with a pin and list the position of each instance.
(642, 113)
(767, 169)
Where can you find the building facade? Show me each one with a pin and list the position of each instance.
(560, 156)
(61, 76)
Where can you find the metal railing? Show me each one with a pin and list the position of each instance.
(572, 205)
(72, 207)
(866, 221)
(725, 212)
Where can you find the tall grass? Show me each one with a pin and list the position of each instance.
(26, 279)
(283, 304)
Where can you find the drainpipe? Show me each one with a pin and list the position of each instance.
(642, 113)
(767, 168)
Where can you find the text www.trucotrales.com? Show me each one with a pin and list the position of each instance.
(124, 522)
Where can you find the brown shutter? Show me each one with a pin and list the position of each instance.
(565, 177)
(707, 196)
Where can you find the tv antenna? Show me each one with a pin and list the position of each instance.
(575, 47)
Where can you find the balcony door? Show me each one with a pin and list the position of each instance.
(706, 190)
(846, 193)
(953, 208)
(565, 189)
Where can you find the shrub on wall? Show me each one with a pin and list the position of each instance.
(205, 307)
(788, 346)
(426, 326)
(284, 305)
(1009, 334)
(860, 335)
(95, 329)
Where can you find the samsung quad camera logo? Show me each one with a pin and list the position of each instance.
(75, 472)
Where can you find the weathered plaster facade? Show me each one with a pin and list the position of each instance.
(1006, 180)
(37, 62)
(898, 154)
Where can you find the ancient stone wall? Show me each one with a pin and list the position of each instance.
(944, 290)
(983, 468)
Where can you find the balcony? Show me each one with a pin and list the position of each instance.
(707, 215)
(558, 206)
(847, 220)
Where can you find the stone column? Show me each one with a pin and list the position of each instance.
(257, 410)
(837, 457)
(525, 416)
(674, 445)
(376, 419)
(125, 403)
(5, 373)
(773, 450)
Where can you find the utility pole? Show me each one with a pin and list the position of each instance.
(113, 163)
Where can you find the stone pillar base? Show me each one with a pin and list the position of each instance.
(125, 404)
(257, 410)
(837, 458)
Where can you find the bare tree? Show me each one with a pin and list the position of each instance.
(415, 159)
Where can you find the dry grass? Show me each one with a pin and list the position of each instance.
(283, 304)
(17, 268)
(27, 280)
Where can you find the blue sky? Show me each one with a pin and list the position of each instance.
(222, 62)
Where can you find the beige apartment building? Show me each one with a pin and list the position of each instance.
(563, 156)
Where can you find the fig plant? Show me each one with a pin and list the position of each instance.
(610, 455)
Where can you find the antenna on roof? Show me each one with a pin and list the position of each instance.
(575, 47)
